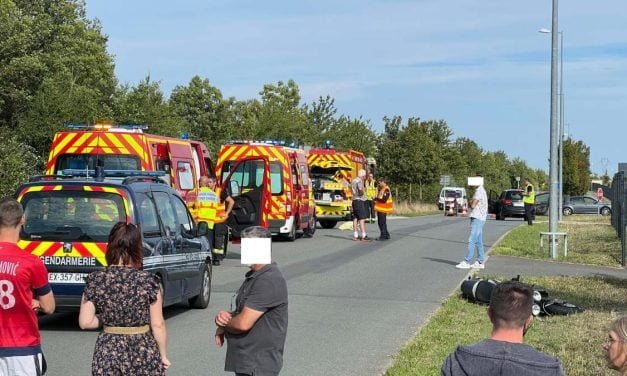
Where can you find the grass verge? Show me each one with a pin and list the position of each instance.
(590, 241)
(414, 209)
(576, 340)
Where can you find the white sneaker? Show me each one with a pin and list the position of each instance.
(463, 265)
(477, 265)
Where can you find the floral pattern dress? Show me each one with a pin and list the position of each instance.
(122, 297)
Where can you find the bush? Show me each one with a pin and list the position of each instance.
(18, 162)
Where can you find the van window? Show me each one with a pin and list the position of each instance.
(71, 215)
(90, 161)
(186, 176)
(249, 175)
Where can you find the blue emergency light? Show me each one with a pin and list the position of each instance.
(101, 126)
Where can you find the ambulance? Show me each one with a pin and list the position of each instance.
(270, 185)
(332, 172)
(128, 148)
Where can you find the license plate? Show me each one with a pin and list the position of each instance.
(518, 204)
(67, 277)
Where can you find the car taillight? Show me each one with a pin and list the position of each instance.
(507, 202)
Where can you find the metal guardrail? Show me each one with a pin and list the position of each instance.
(619, 211)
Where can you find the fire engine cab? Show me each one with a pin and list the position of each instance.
(331, 172)
(128, 148)
(270, 185)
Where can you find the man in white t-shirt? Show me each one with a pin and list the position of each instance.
(478, 216)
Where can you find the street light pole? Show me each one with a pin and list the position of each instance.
(553, 171)
(561, 122)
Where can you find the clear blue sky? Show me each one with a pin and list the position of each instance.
(481, 66)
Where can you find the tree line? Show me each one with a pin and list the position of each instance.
(55, 69)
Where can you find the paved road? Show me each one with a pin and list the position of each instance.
(352, 305)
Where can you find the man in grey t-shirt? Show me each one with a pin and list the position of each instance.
(504, 353)
(359, 206)
(256, 328)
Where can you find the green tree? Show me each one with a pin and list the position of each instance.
(43, 41)
(205, 111)
(18, 161)
(576, 171)
(281, 116)
(145, 104)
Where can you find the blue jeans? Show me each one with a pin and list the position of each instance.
(475, 239)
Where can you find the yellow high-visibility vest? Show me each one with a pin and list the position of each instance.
(387, 206)
(371, 190)
(210, 209)
(530, 197)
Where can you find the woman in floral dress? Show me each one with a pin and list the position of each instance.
(127, 303)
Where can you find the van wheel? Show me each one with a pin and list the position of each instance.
(328, 224)
(291, 236)
(202, 299)
(311, 227)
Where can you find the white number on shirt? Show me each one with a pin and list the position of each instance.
(7, 300)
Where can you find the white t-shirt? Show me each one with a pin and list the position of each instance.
(481, 210)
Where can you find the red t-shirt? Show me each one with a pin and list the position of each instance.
(22, 276)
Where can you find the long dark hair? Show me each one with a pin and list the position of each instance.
(125, 245)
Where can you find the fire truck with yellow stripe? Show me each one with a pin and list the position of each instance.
(127, 147)
(288, 209)
(332, 172)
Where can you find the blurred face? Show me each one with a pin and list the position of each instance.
(211, 183)
(616, 351)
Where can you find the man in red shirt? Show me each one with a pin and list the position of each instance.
(24, 291)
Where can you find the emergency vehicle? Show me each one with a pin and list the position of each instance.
(64, 229)
(282, 201)
(128, 148)
(332, 172)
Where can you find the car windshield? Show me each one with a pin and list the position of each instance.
(72, 215)
(451, 193)
(513, 195)
(90, 161)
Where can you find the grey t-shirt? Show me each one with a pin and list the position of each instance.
(260, 350)
(496, 358)
(357, 187)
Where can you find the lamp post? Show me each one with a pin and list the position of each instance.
(561, 121)
(553, 171)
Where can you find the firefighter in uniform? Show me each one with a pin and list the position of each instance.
(383, 205)
(371, 193)
(211, 208)
(529, 200)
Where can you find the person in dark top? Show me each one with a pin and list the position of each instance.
(383, 205)
(129, 304)
(504, 353)
(256, 327)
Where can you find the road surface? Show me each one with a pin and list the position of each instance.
(352, 305)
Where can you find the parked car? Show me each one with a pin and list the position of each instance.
(508, 204)
(585, 205)
(68, 222)
(542, 203)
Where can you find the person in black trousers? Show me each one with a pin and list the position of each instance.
(383, 205)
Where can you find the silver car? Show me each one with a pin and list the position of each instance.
(585, 205)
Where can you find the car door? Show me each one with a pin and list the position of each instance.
(174, 260)
(154, 242)
(590, 205)
(251, 197)
(493, 202)
(191, 248)
(578, 205)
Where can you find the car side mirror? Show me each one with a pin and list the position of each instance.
(203, 229)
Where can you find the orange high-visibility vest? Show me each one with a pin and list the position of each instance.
(384, 207)
(210, 209)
